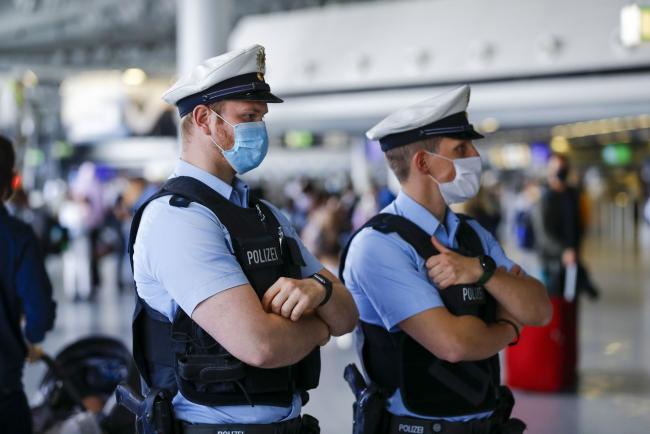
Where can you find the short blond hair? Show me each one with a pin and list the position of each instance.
(399, 159)
(187, 121)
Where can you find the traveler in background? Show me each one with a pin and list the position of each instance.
(25, 292)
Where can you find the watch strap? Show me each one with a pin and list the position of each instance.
(487, 273)
(514, 326)
(326, 283)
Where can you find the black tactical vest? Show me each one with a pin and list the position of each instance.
(430, 386)
(181, 355)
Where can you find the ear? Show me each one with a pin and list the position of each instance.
(419, 162)
(201, 116)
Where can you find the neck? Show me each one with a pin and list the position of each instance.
(218, 167)
(428, 196)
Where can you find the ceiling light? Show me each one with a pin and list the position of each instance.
(133, 77)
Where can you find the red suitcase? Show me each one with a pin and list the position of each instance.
(545, 358)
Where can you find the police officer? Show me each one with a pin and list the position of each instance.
(437, 296)
(231, 307)
(25, 291)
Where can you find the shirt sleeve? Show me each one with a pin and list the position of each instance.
(391, 275)
(312, 265)
(492, 246)
(34, 289)
(185, 249)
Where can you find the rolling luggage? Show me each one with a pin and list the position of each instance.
(545, 358)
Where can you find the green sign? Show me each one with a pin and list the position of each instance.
(617, 154)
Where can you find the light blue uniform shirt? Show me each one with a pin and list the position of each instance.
(183, 256)
(389, 281)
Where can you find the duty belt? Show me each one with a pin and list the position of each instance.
(304, 424)
(412, 425)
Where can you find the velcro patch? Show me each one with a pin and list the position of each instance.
(259, 252)
(179, 201)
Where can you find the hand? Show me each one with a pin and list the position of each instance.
(449, 268)
(516, 270)
(569, 257)
(292, 298)
(34, 352)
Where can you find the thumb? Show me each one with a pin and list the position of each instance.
(438, 245)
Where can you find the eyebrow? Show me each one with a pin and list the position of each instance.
(256, 110)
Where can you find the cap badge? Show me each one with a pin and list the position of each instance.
(261, 59)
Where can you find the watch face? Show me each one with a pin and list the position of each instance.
(488, 263)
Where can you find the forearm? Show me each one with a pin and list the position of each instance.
(340, 312)
(522, 296)
(287, 342)
(457, 338)
(236, 320)
(476, 340)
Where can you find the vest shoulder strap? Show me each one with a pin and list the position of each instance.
(467, 237)
(195, 191)
(185, 190)
(388, 223)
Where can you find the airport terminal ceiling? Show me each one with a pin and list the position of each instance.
(55, 37)
(524, 88)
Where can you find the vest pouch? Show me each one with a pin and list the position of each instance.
(265, 381)
(307, 371)
(432, 386)
(204, 369)
(469, 380)
(224, 380)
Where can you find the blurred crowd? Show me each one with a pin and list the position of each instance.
(87, 216)
(84, 218)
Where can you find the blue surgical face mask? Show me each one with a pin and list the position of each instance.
(250, 147)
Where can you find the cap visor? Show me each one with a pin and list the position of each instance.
(256, 96)
(469, 135)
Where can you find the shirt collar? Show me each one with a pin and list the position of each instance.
(418, 214)
(183, 168)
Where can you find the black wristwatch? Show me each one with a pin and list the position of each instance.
(514, 326)
(489, 267)
(326, 283)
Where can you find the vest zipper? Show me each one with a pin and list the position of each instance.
(260, 214)
(280, 236)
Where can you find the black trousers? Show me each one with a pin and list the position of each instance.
(15, 415)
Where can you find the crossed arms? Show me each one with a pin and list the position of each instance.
(522, 300)
(281, 329)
